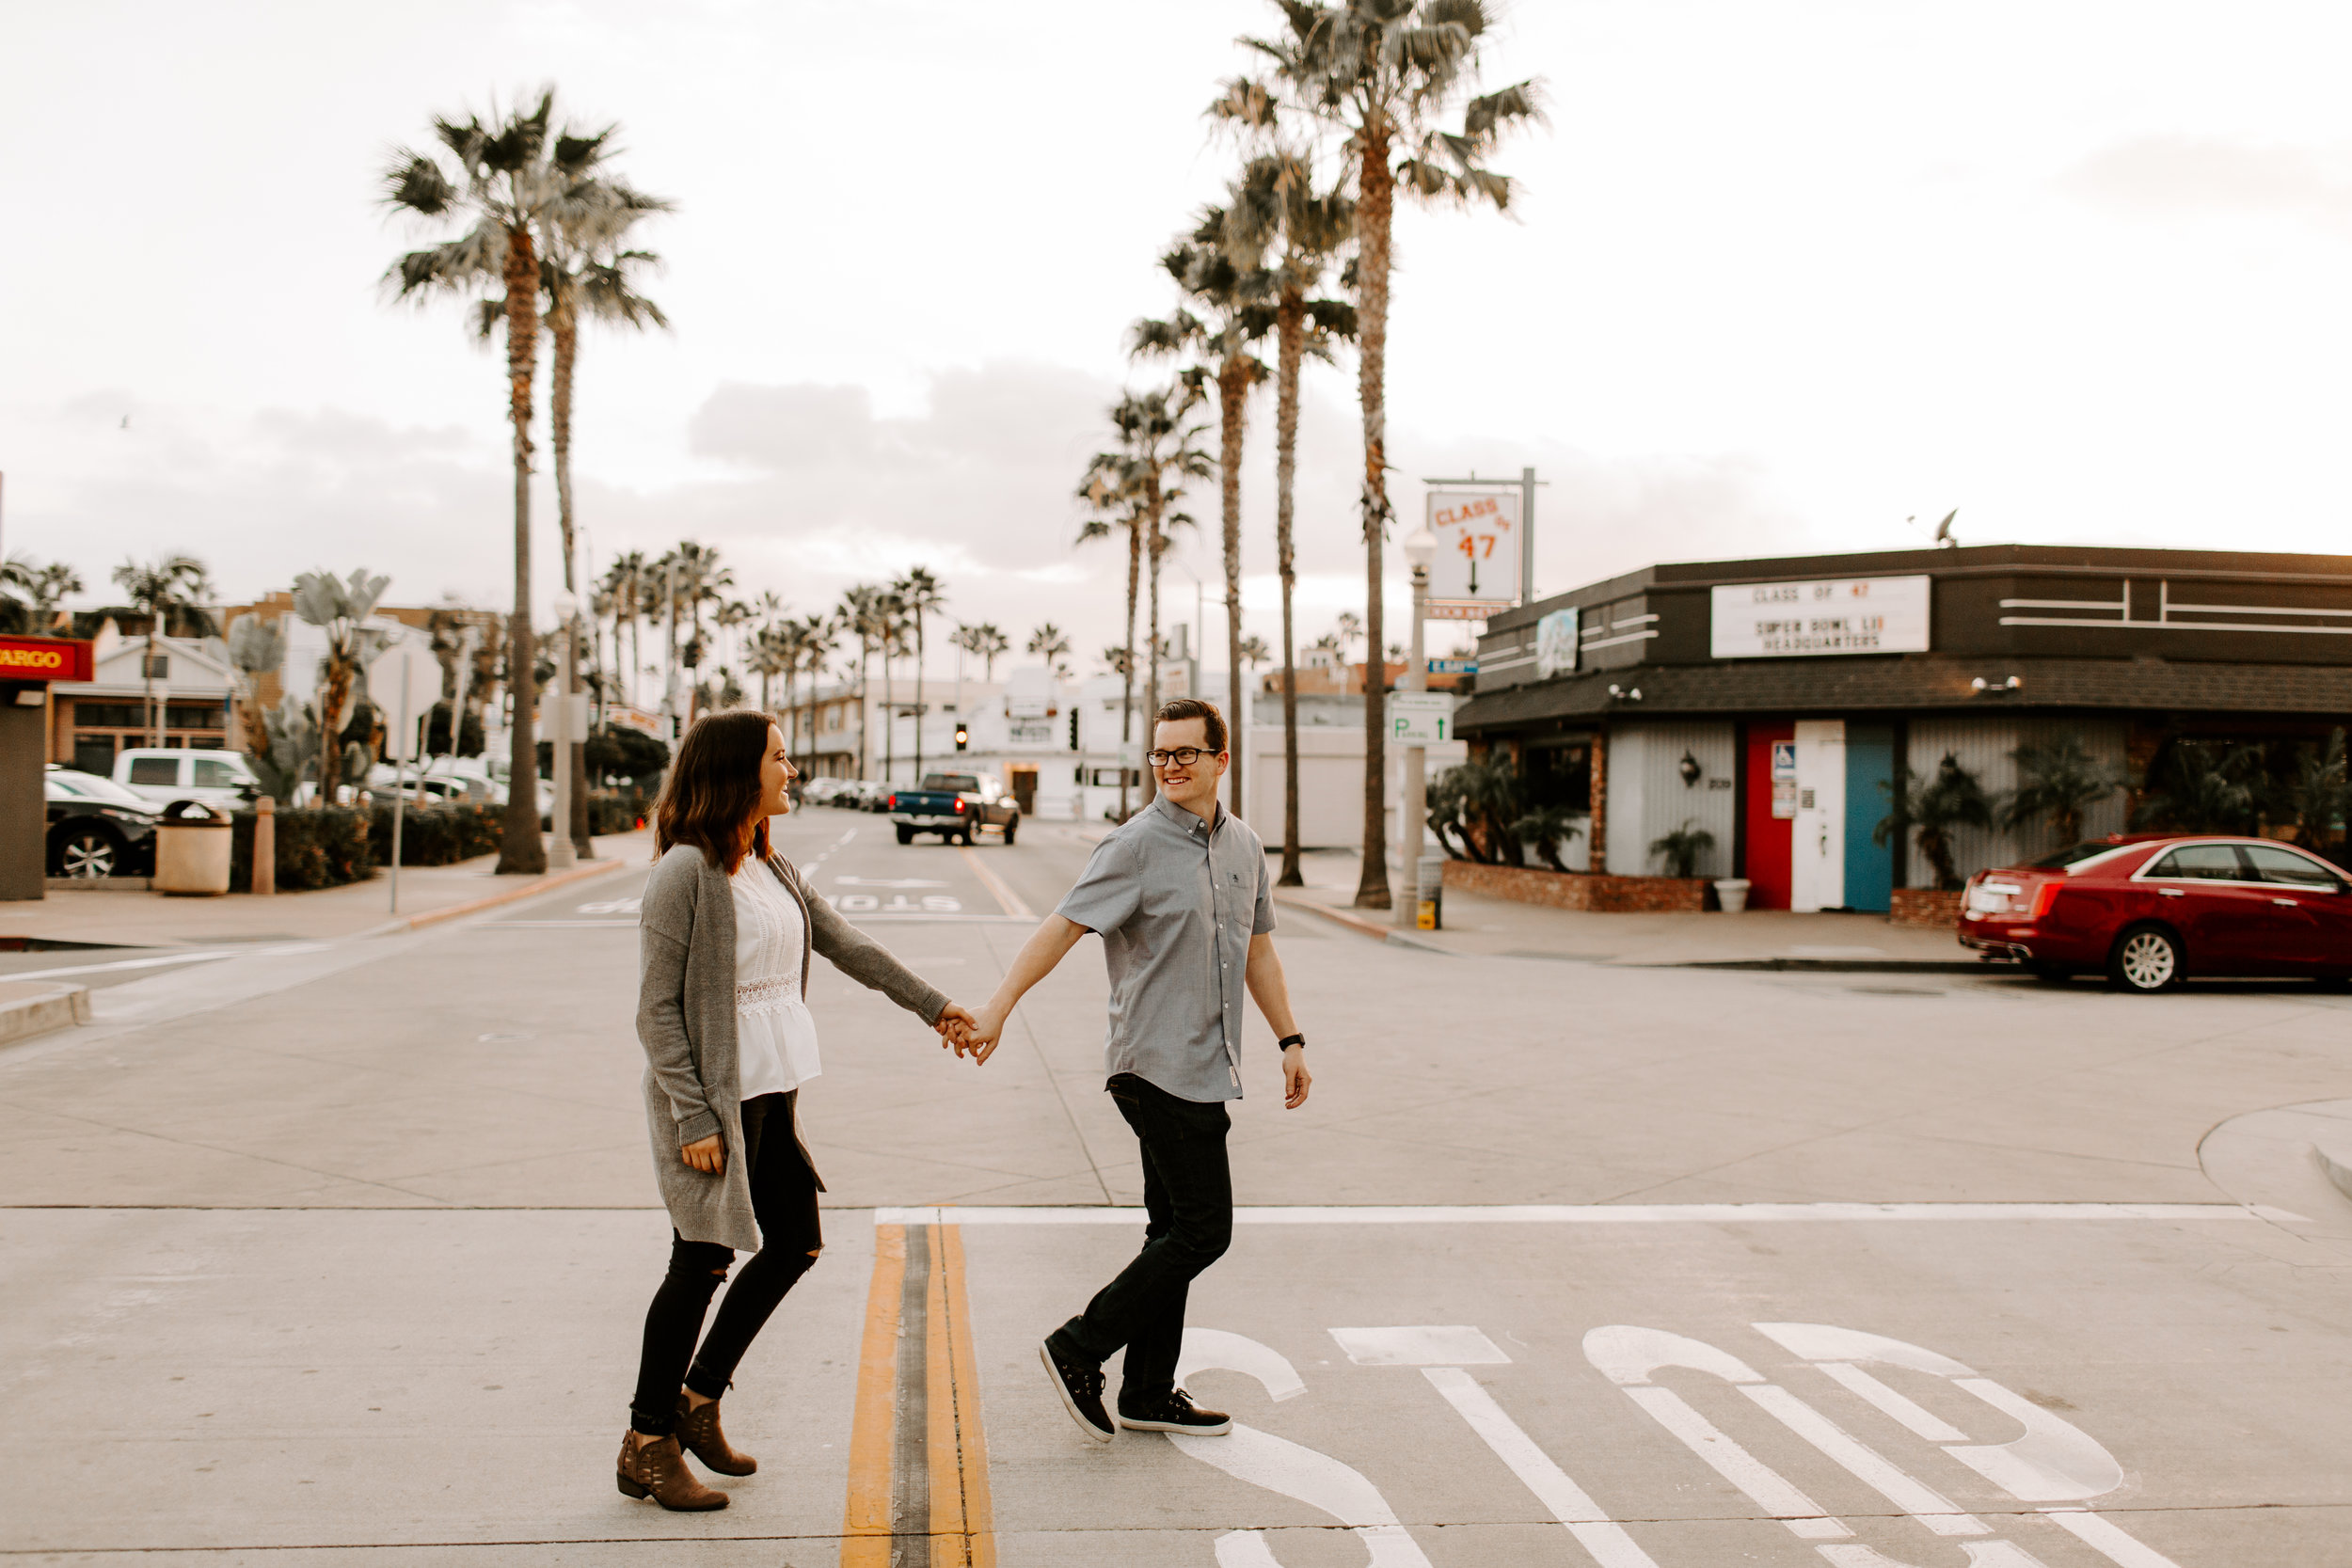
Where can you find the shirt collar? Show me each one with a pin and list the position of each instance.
(1187, 820)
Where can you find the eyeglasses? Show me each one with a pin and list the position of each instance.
(1182, 756)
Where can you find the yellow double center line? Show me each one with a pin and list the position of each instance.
(918, 1459)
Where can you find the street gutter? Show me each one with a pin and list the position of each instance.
(530, 888)
(1360, 924)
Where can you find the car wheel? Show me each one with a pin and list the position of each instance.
(1011, 827)
(964, 838)
(86, 854)
(906, 835)
(2146, 959)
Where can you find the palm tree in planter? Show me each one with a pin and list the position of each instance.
(2317, 796)
(1382, 75)
(1681, 848)
(1546, 829)
(2058, 782)
(1952, 798)
(2203, 786)
(337, 608)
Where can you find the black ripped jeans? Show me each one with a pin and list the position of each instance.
(1188, 1207)
(784, 1198)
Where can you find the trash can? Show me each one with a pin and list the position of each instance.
(192, 851)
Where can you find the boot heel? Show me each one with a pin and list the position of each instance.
(631, 1488)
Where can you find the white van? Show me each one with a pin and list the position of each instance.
(182, 773)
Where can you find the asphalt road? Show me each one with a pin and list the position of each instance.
(338, 1255)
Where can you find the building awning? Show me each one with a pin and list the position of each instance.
(1912, 684)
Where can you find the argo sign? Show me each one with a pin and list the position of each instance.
(43, 660)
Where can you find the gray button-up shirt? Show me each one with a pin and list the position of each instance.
(1176, 902)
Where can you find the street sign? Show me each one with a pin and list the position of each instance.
(1476, 570)
(1420, 718)
(404, 683)
(1453, 666)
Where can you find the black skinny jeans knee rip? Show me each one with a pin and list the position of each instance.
(1188, 1205)
(784, 1200)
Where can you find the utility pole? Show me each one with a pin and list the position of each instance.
(1420, 548)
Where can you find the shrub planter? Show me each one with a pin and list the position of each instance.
(1926, 908)
(1578, 890)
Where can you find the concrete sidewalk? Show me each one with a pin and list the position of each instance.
(132, 918)
(1497, 928)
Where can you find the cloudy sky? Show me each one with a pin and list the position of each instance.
(1780, 277)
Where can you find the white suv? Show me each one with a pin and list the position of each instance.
(177, 774)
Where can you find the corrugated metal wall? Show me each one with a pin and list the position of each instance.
(1648, 797)
(1982, 745)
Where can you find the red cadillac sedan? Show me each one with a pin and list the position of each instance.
(2147, 911)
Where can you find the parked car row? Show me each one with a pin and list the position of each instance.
(848, 794)
(98, 828)
(2149, 909)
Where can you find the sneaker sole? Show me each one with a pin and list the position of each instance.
(1053, 1375)
(1221, 1429)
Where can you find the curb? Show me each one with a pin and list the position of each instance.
(55, 1008)
(1360, 925)
(1849, 966)
(531, 889)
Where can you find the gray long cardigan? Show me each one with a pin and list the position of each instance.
(686, 1022)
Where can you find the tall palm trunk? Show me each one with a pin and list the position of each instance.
(918, 696)
(890, 720)
(1155, 543)
(1232, 394)
(564, 334)
(520, 849)
(865, 705)
(1376, 193)
(1127, 684)
(1289, 333)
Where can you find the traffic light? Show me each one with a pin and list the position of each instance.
(963, 734)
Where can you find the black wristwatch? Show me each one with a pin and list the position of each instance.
(1289, 1040)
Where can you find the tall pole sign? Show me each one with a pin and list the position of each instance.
(1485, 544)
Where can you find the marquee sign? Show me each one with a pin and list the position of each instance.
(1802, 620)
(43, 658)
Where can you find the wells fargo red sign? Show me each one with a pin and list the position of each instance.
(43, 658)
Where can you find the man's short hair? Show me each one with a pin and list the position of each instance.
(1180, 708)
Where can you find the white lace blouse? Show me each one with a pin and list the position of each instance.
(775, 1038)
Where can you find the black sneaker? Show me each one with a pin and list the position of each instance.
(1081, 1390)
(1174, 1412)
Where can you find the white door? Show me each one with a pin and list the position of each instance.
(1817, 844)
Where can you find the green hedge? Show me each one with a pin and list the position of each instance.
(323, 847)
(435, 835)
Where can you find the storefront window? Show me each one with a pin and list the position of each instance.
(1560, 775)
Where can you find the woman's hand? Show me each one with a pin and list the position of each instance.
(954, 1029)
(981, 1033)
(706, 1155)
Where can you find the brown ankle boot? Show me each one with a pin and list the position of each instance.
(698, 1433)
(657, 1470)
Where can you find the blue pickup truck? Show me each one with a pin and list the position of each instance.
(955, 806)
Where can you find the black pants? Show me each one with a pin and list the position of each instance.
(784, 1198)
(1189, 1204)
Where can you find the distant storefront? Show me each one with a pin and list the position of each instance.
(144, 691)
(1773, 703)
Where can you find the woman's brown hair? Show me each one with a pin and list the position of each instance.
(713, 787)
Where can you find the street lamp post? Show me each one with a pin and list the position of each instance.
(1421, 548)
(560, 856)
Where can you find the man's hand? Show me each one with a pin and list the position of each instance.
(706, 1155)
(1295, 1077)
(984, 1031)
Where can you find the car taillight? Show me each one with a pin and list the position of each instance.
(2046, 895)
(959, 806)
(893, 803)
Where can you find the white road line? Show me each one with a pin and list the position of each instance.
(1569, 1503)
(1592, 1214)
(1764, 1486)
(1921, 1421)
(2108, 1539)
(559, 925)
(1916, 1499)
(206, 955)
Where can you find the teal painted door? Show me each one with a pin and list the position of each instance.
(1870, 771)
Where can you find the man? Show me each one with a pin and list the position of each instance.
(1180, 895)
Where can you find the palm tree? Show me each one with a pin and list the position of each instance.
(769, 660)
(2056, 783)
(1382, 74)
(694, 579)
(984, 642)
(1952, 798)
(337, 607)
(1130, 517)
(35, 592)
(1051, 644)
(922, 594)
(730, 618)
(1277, 203)
(865, 615)
(170, 589)
(504, 180)
(1234, 298)
(819, 635)
(1156, 448)
(625, 583)
(1254, 652)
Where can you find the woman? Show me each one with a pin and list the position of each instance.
(725, 941)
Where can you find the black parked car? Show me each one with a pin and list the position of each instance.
(97, 828)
